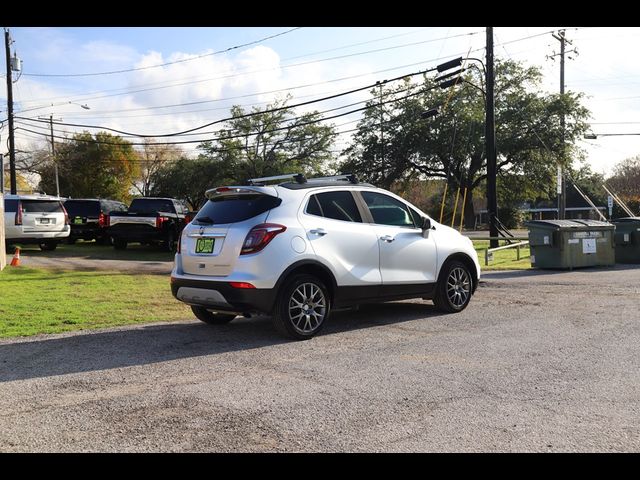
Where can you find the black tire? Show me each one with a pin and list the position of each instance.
(106, 240)
(454, 288)
(302, 307)
(169, 244)
(48, 246)
(212, 318)
(119, 244)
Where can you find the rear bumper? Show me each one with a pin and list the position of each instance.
(222, 296)
(37, 237)
(87, 233)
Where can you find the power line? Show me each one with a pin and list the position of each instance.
(247, 115)
(182, 142)
(161, 64)
(208, 79)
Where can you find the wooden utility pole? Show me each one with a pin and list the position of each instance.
(12, 147)
(490, 145)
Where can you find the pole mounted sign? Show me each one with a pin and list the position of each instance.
(610, 205)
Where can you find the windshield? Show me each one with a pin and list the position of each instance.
(82, 208)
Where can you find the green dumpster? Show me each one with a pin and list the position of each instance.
(627, 239)
(571, 243)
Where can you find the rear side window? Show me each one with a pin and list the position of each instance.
(39, 206)
(78, 208)
(235, 208)
(10, 205)
(335, 205)
(386, 210)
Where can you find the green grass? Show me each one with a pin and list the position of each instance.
(91, 250)
(34, 301)
(503, 259)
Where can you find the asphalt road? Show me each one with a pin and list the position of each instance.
(538, 362)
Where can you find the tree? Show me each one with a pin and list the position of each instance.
(152, 158)
(186, 179)
(267, 142)
(451, 145)
(625, 182)
(103, 165)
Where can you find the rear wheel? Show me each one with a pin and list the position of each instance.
(302, 307)
(48, 246)
(212, 318)
(119, 244)
(454, 288)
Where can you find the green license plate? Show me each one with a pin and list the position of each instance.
(204, 245)
(77, 220)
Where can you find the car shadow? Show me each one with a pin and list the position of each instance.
(142, 345)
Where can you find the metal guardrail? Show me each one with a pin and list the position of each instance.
(488, 253)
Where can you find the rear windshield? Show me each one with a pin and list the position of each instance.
(10, 205)
(235, 208)
(147, 205)
(37, 206)
(82, 208)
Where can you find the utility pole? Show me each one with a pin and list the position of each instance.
(490, 144)
(12, 147)
(384, 169)
(562, 188)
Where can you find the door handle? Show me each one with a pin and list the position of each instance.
(318, 231)
(387, 238)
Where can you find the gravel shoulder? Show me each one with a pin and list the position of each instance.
(540, 361)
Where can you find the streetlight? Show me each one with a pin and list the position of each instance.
(53, 144)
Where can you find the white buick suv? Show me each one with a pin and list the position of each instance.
(299, 249)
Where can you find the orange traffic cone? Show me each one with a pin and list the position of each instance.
(15, 262)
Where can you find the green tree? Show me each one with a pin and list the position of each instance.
(625, 183)
(451, 145)
(103, 165)
(266, 142)
(187, 179)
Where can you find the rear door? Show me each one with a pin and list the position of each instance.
(406, 256)
(42, 216)
(211, 243)
(334, 227)
(82, 212)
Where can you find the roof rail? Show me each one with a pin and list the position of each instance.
(348, 177)
(298, 177)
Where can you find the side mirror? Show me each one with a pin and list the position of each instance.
(426, 223)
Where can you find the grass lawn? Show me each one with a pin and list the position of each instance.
(503, 259)
(34, 301)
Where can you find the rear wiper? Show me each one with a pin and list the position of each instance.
(204, 220)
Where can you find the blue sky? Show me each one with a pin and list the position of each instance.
(190, 93)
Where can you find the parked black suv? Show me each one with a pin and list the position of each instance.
(89, 218)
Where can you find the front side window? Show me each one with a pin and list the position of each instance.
(335, 205)
(386, 210)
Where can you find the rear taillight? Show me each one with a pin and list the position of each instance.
(103, 220)
(19, 214)
(66, 215)
(241, 285)
(260, 236)
(160, 221)
(178, 248)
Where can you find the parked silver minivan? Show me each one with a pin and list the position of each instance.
(35, 219)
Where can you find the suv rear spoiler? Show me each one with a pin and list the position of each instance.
(248, 190)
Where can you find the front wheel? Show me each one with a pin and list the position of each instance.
(48, 246)
(302, 307)
(454, 288)
(211, 318)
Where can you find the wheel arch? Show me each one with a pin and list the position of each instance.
(467, 261)
(310, 267)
